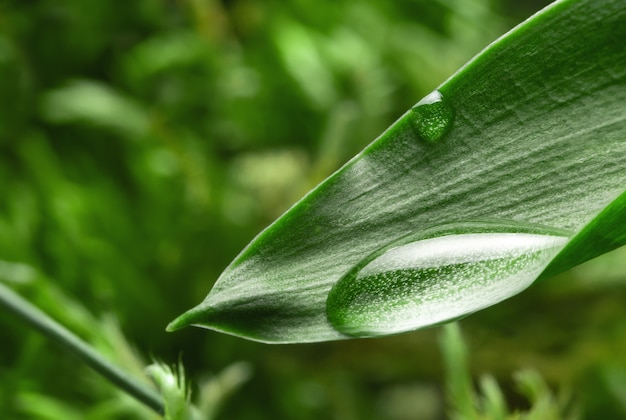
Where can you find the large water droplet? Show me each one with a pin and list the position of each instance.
(432, 117)
(424, 282)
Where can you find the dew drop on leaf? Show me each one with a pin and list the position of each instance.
(429, 281)
(432, 117)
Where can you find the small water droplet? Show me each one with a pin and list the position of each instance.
(422, 282)
(432, 117)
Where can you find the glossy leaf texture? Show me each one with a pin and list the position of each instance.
(531, 132)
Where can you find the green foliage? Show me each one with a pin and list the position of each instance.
(530, 132)
(174, 391)
(114, 225)
(490, 403)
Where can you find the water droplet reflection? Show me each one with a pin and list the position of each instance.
(432, 117)
(429, 281)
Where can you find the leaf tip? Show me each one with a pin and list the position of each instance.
(185, 320)
(177, 324)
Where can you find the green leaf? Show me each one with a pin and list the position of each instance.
(527, 139)
(95, 103)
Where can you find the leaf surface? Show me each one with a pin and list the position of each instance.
(531, 131)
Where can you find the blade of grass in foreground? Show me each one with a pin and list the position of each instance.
(37, 319)
(525, 145)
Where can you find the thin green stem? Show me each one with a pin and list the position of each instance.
(40, 321)
(460, 390)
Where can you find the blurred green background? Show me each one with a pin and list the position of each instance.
(143, 144)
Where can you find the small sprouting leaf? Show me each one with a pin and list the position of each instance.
(531, 131)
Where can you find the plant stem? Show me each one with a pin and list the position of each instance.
(40, 321)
